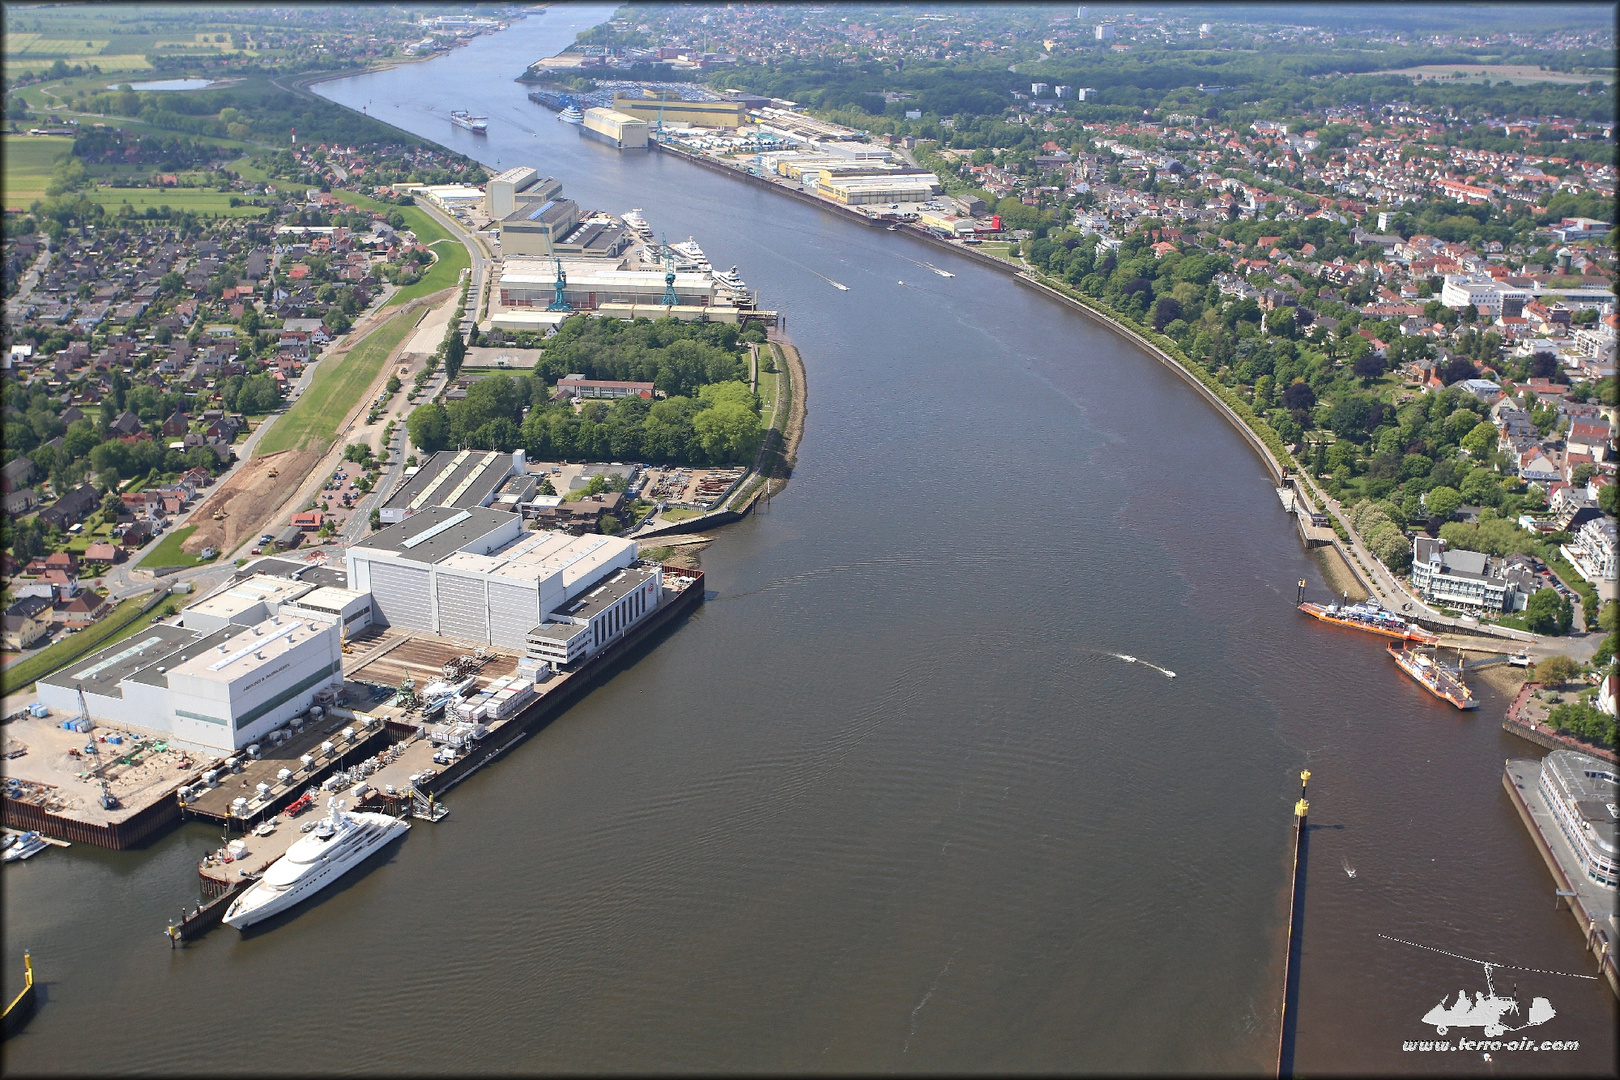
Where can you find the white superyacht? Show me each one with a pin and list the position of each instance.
(339, 842)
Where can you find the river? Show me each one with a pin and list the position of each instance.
(890, 800)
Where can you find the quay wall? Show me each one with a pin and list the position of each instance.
(118, 835)
(575, 687)
(1597, 939)
(760, 181)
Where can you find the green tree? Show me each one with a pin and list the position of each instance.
(1548, 613)
(1480, 439)
(1556, 670)
(1443, 501)
(455, 352)
(429, 427)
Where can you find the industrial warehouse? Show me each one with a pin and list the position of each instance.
(249, 657)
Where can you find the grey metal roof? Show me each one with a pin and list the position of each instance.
(476, 494)
(102, 671)
(476, 522)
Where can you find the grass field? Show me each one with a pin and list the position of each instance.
(336, 388)
(196, 199)
(29, 161)
(125, 619)
(452, 254)
(1521, 74)
(168, 552)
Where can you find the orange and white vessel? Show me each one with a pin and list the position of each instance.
(1371, 618)
(1443, 682)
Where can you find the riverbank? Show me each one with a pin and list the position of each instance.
(772, 466)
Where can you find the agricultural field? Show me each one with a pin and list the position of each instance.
(338, 384)
(29, 161)
(195, 199)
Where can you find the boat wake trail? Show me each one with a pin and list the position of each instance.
(1166, 672)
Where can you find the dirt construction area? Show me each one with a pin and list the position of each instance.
(248, 498)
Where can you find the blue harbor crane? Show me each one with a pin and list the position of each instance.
(559, 298)
(670, 300)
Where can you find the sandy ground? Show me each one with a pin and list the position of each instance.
(249, 498)
(1338, 575)
(261, 502)
(1502, 677)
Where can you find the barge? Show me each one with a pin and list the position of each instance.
(1442, 682)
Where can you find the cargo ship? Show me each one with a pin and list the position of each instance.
(1371, 618)
(478, 125)
(1442, 682)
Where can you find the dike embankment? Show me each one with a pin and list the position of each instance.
(772, 467)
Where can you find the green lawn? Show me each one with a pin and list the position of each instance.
(125, 619)
(336, 388)
(451, 252)
(168, 552)
(29, 161)
(199, 200)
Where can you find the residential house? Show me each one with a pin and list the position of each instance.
(71, 508)
(83, 610)
(22, 631)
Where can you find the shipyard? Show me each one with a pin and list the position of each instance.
(275, 691)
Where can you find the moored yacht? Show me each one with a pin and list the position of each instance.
(571, 115)
(337, 844)
(637, 224)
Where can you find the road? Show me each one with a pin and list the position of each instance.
(482, 256)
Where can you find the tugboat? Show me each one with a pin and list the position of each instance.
(1443, 682)
(478, 125)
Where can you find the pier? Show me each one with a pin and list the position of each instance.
(1296, 944)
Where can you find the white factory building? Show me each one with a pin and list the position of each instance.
(591, 283)
(475, 575)
(247, 659)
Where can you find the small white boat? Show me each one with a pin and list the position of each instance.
(25, 846)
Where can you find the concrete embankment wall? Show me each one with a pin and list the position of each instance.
(1596, 937)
